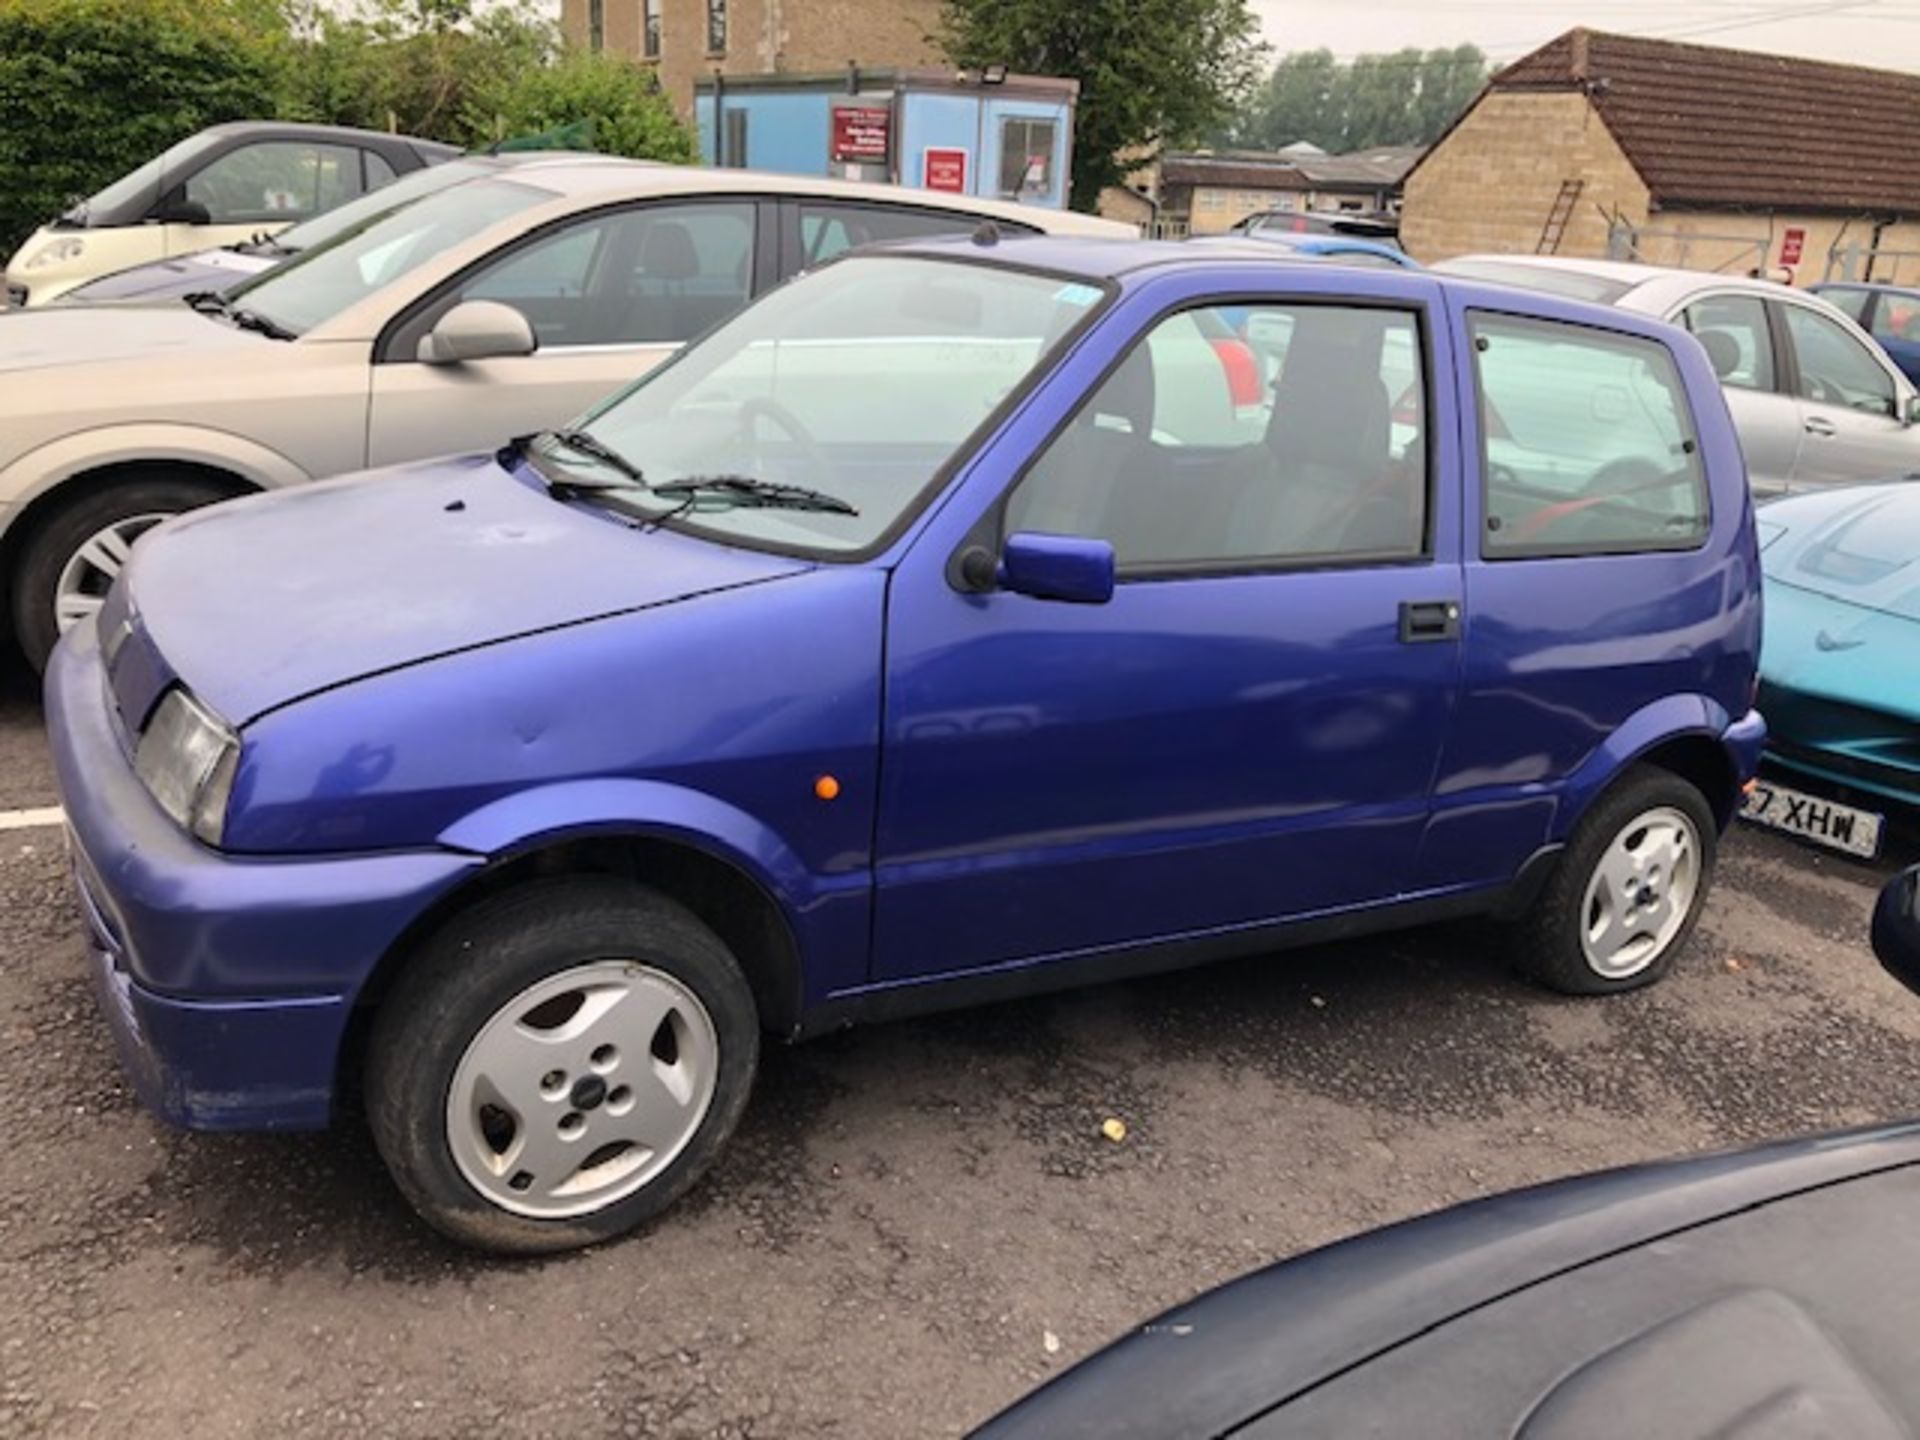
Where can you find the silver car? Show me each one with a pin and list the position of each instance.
(1816, 402)
(507, 304)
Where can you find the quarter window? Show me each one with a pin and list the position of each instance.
(1733, 328)
(276, 181)
(1588, 444)
(1835, 368)
(660, 275)
(1246, 437)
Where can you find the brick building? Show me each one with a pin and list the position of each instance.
(689, 39)
(1678, 154)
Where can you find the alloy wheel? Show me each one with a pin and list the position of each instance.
(1641, 893)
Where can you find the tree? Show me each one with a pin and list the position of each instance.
(1405, 98)
(1152, 73)
(617, 101)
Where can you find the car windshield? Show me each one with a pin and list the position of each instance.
(317, 285)
(858, 382)
(1569, 284)
(140, 186)
(376, 204)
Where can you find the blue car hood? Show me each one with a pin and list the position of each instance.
(1843, 595)
(256, 603)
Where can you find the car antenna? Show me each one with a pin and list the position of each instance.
(987, 233)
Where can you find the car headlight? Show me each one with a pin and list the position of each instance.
(57, 252)
(187, 758)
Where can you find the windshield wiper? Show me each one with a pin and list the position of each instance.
(212, 302)
(594, 448)
(749, 493)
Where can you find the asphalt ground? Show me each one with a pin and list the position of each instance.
(917, 1222)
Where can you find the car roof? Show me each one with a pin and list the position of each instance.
(319, 132)
(1631, 275)
(596, 178)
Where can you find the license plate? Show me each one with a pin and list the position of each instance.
(1825, 822)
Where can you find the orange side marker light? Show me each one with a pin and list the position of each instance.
(827, 788)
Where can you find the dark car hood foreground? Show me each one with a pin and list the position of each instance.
(1685, 1299)
(258, 602)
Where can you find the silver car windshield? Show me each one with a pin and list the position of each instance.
(320, 283)
(858, 382)
(325, 228)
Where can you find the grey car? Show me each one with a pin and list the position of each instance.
(1816, 402)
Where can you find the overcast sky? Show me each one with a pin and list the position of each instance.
(1885, 33)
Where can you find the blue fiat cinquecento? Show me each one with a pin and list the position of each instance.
(964, 619)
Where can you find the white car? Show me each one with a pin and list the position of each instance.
(504, 305)
(225, 185)
(1815, 401)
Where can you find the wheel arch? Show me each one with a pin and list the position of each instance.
(1682, 734)
(721, 890)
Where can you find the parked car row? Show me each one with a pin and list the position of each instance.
(844, 601)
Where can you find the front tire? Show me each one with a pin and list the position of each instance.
(559, 1064)
(73, 557)
(1629, 890)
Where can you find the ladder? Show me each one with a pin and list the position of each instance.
(1556, 227)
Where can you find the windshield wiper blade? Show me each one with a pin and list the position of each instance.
(260, 324)
(594, 448)
(745, 491)
(207, 302)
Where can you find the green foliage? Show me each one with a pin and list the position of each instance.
(620, 101)
(90, 89)
(1152, 73)
(1405, 98)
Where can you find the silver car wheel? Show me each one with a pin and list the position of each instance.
(581, 1089)
(1641, 893)
(87, 576)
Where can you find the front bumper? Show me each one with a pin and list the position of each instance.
(1842, 743)
(228, 980)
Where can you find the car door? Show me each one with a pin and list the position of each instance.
(1738, 332)
(1246, 732)
(263, 187)
(1853, 403)
(610, 295)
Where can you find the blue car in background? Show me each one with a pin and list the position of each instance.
(1346, 249)
(936, 630)
(1840, 671)
(1889, 313)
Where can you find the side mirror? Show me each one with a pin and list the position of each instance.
(478, 330)
(1911, 414)
(1058, 567)
(1896, 928)
(176, 209)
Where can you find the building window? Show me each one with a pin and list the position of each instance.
(733, 145)
(1026, 158)
(716, 27)
(596, 25)
(650, 29)
(1211, 199)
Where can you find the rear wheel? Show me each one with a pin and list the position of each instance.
(560, 1064)
(72, 559)
(1628, 892)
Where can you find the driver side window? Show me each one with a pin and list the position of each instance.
(276, 181)
(1835, 368)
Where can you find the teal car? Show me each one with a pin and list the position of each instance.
(1840, 666)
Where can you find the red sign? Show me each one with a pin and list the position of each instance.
(860, 132)
(942, 169)
(1792, 244)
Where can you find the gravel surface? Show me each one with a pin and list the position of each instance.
(917, 1222)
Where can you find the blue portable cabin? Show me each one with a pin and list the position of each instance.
(971, 132)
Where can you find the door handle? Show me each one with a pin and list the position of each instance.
(1815, 425)
(1424, 621)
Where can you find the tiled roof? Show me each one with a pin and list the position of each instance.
(1732, 128)
(1243, 171)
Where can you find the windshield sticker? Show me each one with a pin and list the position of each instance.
(1076, 294)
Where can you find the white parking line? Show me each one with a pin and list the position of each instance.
(44, 817)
